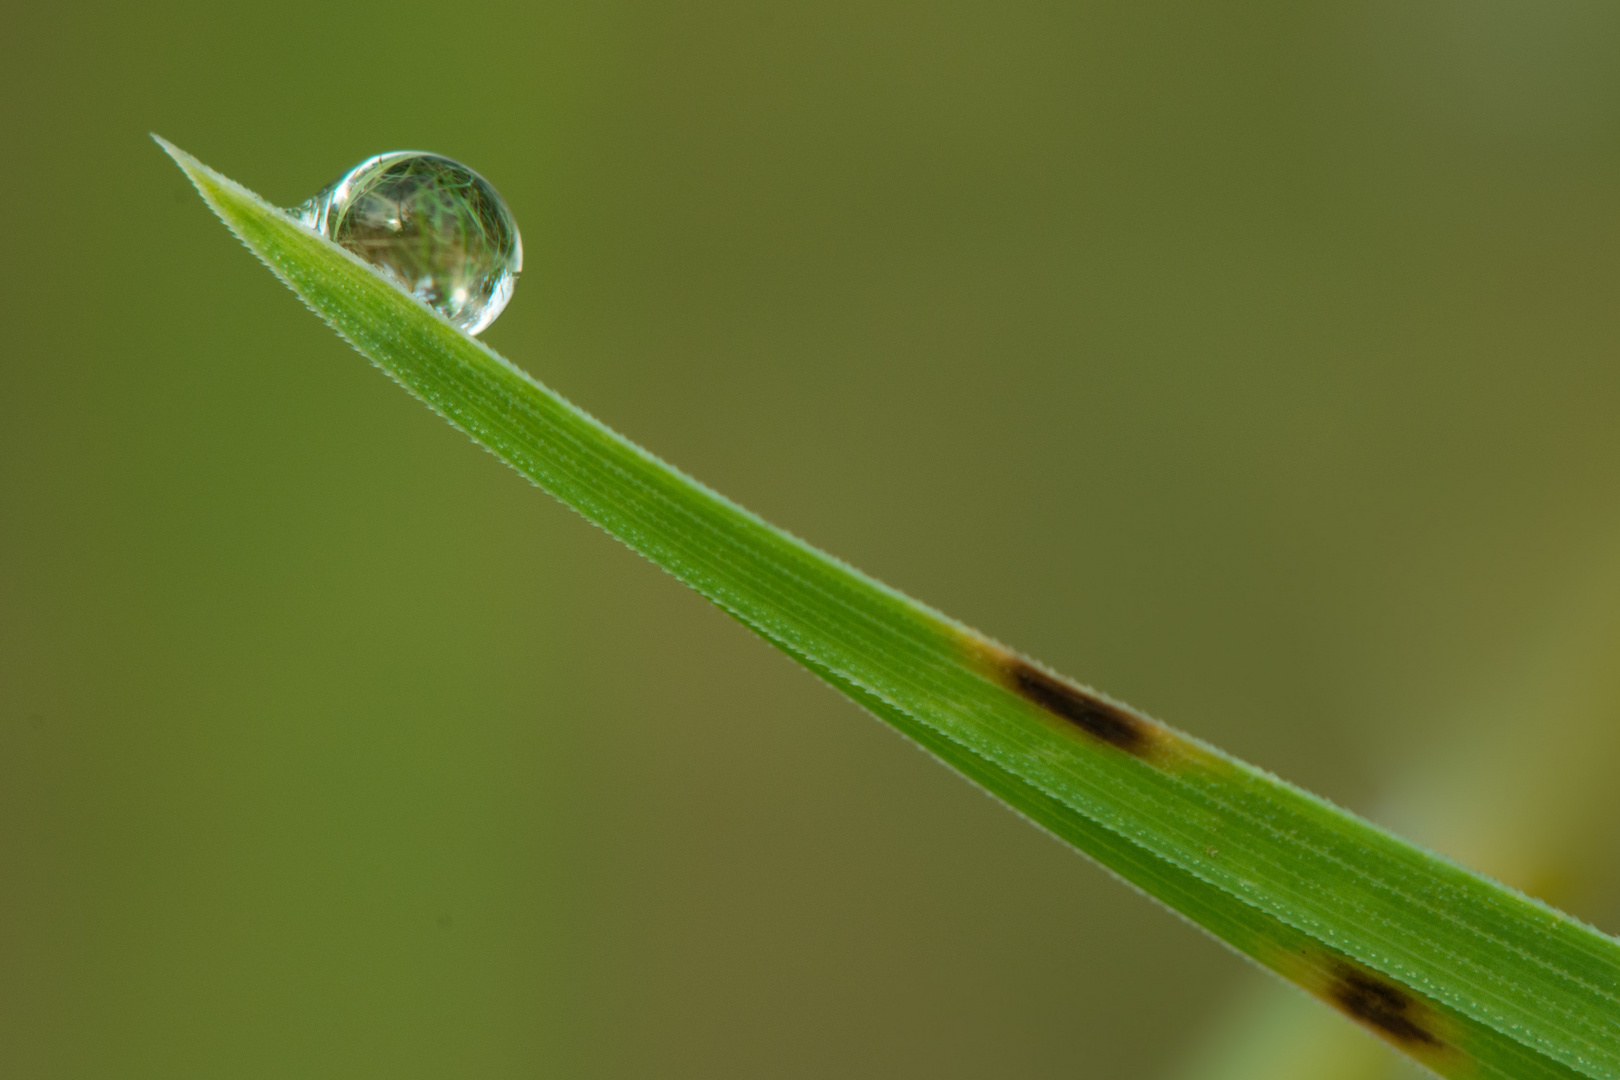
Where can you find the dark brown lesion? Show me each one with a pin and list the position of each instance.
(1084, 714)
(1097, 718)
(1383, 1006)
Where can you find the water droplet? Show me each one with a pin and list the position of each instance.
(432, 225)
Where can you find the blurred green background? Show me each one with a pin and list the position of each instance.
(1257, 365)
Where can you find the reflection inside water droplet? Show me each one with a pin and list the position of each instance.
(432, 225)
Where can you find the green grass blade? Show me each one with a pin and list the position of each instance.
(1463, 974)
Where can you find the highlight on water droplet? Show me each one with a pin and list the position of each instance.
(431, 225)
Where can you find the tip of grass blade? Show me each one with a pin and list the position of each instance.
(209, 184)
(238, 206)
(243, 210)
(194, 169)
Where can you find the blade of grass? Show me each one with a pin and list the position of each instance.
(1465, 975)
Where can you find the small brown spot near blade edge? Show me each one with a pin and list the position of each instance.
(1388, 1009)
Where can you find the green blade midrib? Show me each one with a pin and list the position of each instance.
(872, 641)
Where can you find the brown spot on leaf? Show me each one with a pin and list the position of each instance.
(1097, 718)
(1383, 1006)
